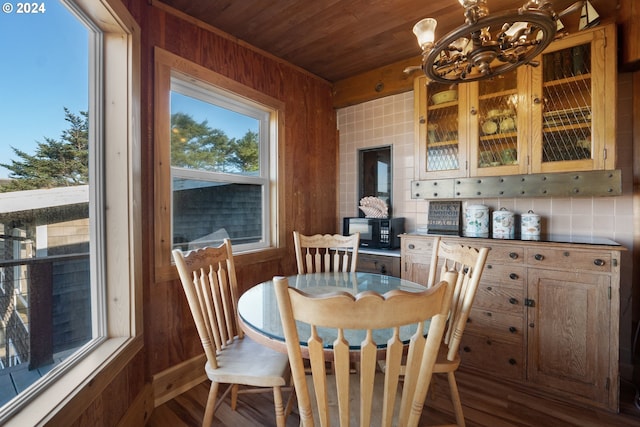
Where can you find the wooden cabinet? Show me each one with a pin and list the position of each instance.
(549, 118)
(370, 262)
(545, 315)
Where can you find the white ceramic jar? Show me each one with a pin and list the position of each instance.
(476, 221)
(503, 224)
(530, 225)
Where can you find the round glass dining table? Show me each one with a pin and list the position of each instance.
(260, 318)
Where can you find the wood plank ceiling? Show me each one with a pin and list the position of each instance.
(337, 39)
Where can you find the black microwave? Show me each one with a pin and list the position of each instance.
(377, 233)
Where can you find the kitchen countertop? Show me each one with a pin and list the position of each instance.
(550, 238)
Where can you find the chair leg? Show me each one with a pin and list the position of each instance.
(290, 401)
(277, 401)
(234, 396)
(455, 399)
(211, 405)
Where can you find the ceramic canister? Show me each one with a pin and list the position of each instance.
(476, 221)
(503, 224)
(530, 224)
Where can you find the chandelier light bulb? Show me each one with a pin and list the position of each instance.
(425, 31)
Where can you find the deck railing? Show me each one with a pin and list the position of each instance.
(57, 315)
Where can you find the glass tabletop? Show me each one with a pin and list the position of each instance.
(258, 308)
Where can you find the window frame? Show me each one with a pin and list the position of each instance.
(114, 94)
(225, 99)
(166, 66)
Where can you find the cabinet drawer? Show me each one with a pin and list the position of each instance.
(512, 275)
(505, 254)
(421, 246)
(495, 297)
(379, 264)
(568, 259)
(497, 325)
(503, 359)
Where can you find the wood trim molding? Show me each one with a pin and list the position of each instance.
(179, 378)
(380, 82)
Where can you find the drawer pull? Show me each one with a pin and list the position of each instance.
(539, 257)
(512, 329)
(489, 288)
(513, 255)
(467, 349)
(514, 276)
(489, 266)
(513, 301)
(512, 361)
(599, 262)
(412, 246)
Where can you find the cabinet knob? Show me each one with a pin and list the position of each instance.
(599, 262)
(467, 349)
(412, 246)
(513, 301)
(473, 111)
(539, 257)
(489, 266)
(512, 329)
(514, 276)
(512, 361)
(513, 255)
(489, 288)
(537, 100)
(531, 325)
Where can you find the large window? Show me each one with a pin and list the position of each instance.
(217, 148)
(219, 167)
(68, 266)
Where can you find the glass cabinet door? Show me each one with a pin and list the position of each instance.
(440, 152)
(565, 103)
(494, 125)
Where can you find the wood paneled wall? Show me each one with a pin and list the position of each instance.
(309, 164)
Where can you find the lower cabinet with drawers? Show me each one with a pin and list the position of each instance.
(379, 261)
(546, 315)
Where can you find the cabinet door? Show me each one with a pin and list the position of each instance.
(568, 332)
(495, 124)
(441, 153)
(573, 105)
(416, 258)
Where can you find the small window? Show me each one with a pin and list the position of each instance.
(217, 145)
(219, 168)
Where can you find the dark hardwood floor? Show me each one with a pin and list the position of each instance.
(486, 404)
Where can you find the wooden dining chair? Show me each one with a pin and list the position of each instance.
(326, 252)
(209, 281)
(369, 394)
(468, 263)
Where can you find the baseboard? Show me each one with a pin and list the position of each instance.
(178, 379)
(140, 409)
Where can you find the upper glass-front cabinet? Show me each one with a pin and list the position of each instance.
(573, 101)
(549, 118)
(440, 129)
(497, 121)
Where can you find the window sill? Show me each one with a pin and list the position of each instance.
(66, 399)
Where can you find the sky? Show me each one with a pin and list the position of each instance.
(44, 68)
